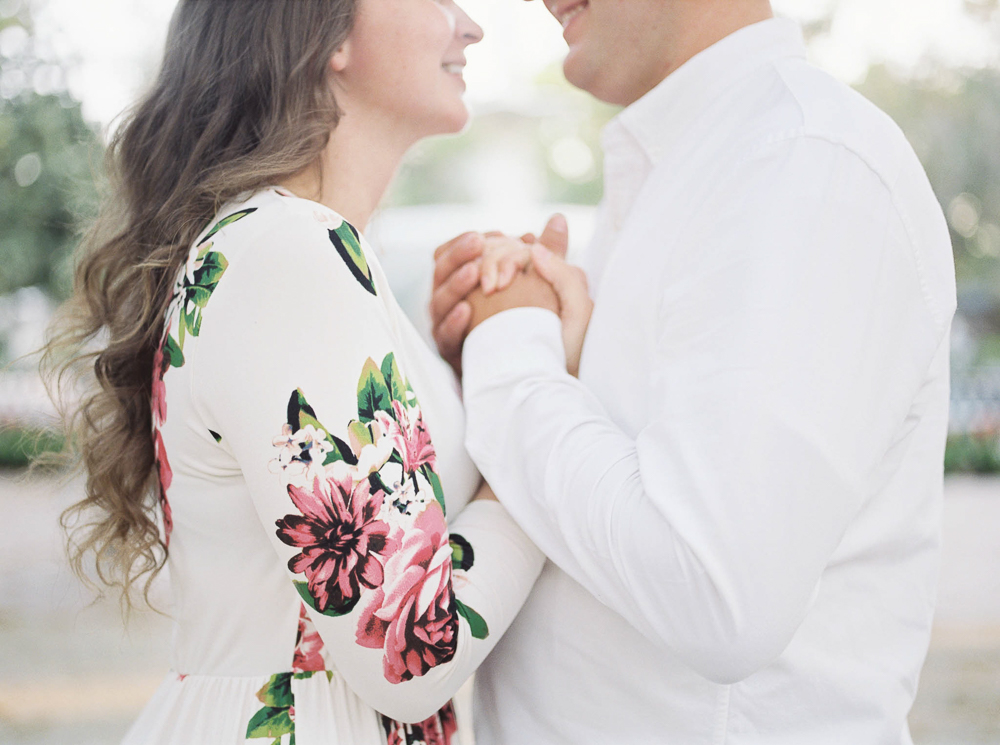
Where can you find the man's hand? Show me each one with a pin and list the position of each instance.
(575, 305)
(457, 273)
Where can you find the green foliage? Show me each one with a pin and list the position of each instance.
(953, 123)
(19, 447)
(973, 453)
(39, 214)
(443, 169)
(47, 181)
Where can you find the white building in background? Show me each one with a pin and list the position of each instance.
(405, 238)
(24, 317)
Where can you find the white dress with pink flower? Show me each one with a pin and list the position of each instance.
(320, 595)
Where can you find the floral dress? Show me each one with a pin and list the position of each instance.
(309, 446)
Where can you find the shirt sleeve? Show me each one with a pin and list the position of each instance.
(794, 333)
(296, 372)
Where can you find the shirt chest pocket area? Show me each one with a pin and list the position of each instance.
(619, 354)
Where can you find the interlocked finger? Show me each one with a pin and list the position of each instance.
(503, 259)
(456, 253)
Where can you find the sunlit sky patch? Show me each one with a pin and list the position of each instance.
(116, 43)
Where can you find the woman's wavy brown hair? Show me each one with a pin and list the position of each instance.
(243, 100)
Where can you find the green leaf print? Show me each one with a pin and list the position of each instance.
(213, 266)
(373, 393)
(215, 435)
(227, 221)
(394, 379)
(462, 555)
(301, 415)
(348, 244)
(303, 590)
(270, 722)
(173, 353)
(197, 292)
(277, 691)
(274, 720)
(360, 433)
(435, 483)
(480, 630)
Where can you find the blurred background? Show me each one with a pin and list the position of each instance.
(70, 673)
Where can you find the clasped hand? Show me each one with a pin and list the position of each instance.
(478, 275)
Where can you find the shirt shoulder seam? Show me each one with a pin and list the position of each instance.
(804, 133)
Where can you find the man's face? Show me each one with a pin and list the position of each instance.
(618, 49)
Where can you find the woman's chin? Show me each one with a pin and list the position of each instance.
(454, 120)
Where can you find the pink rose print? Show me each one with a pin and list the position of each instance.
(158, 396)
(158, 404)
(308, 647)
(410, 436)
(437, 730)
(166, 477)
(412, 616)
(340, 538)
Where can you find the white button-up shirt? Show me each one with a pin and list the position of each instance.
(741, 494)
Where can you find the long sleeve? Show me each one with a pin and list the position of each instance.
(795, 323)
(296, 375)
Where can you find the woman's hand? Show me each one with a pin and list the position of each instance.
(575, 305)
(461, 281)
(502, 260)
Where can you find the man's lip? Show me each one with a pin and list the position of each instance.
(560, 12)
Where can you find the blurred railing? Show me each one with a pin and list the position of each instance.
(975, 400)
(23, 400)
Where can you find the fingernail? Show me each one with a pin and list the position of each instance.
(559, 224)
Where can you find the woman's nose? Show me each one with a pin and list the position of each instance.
(467, 29)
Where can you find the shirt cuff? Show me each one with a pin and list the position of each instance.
(512, 345)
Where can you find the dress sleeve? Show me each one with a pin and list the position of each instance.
(296, 372)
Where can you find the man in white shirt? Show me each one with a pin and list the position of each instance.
(740, 494)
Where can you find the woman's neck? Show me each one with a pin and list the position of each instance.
(355, 168)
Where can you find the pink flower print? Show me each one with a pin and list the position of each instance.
(410, 436)
(158, 404)
(449, 723)
(412, 616)
(166, 477)
(158, 394)
(437, 730)
(308, 647)
(302, 452)
(341, 541)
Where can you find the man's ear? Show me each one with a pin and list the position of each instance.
(341, 58)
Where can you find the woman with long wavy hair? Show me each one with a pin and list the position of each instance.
(260, 414)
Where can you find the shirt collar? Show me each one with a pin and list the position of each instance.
(667, 110)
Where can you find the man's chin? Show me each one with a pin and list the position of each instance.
(587, 77)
